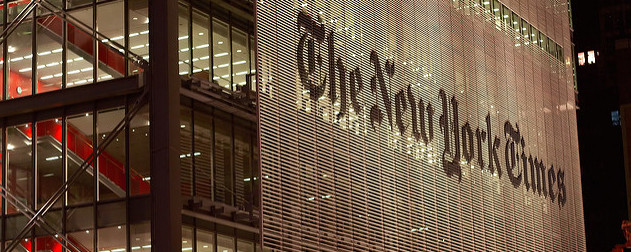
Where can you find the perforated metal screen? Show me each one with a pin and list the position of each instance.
(418, 126)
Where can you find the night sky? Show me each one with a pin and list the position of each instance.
(600, 142)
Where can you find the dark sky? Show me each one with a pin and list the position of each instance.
(600, 142)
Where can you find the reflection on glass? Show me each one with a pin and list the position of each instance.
(225, 243)
(202, 154)
(186, 147)
(111, 162)
(20, 56)
(49, 160)
(201, 45)
(140, 172)
(112, 238)
(221, 53)
(205, 241)
(79, 148)
(83, 239)
(20, 163)
(252, 75)
(223, 158)
(183, 37)
(49, 54)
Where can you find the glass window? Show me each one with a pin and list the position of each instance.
(541, 40)
(140, 172)
(141, 237)
(524, 28)
(79, 138)
(80, 53)
(112, 238)
(50, 172)
(221, 51)
(225, 243)
(223, 158)
(138, 30)
(506, 17)
(183, 37)
(243, 165)
(205, 241)
(515, 22)
(186, 147)
(201, 44)
(111, 162)
(245, 246)
(534, 35)
(49, 54)
(240, 58)
(20, 163)
(111, 22)
(252, 75)
(202, 155)
(560, 53)
(20, 57)
(187, 238)
(83, 238)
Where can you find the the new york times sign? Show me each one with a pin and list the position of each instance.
(462, 142)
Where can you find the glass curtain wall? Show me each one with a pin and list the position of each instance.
(96, 43)
(105, 204)
(218, 157)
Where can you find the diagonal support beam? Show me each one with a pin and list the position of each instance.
(41, 222)
(87, 163)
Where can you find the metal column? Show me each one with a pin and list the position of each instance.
(166, 218)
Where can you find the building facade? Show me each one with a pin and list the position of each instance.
(418, 126)
(135, 125)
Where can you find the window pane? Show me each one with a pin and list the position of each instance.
(140, 172)
(49, 54)
(225, 243)
(79, 148)
(240, 59)
(202, 153)
(183, 38)
(252, 65)
(80, 53)
(49, 160)
(141, 237)
(20, 57)
(201, 45)
(138, 30)
(245, 246)
(223, 158)
(186, 147)
(243, 166)
(205, 241)
(111, 162)
(187, 239)
(112, 238)
(110, 22)
(20, 163)
(221, 51)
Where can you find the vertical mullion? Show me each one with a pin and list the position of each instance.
(126, 34)
(127, 176)
(230, 53)
(193, 166)
(34, 172)
(34, 52)
(4, 183)
(233, 166)
(190, 38)
(95, 175)
(5, 48)
(211, 56)
(64, 47)
(95, 44)
(64, 172)
(213, 184)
